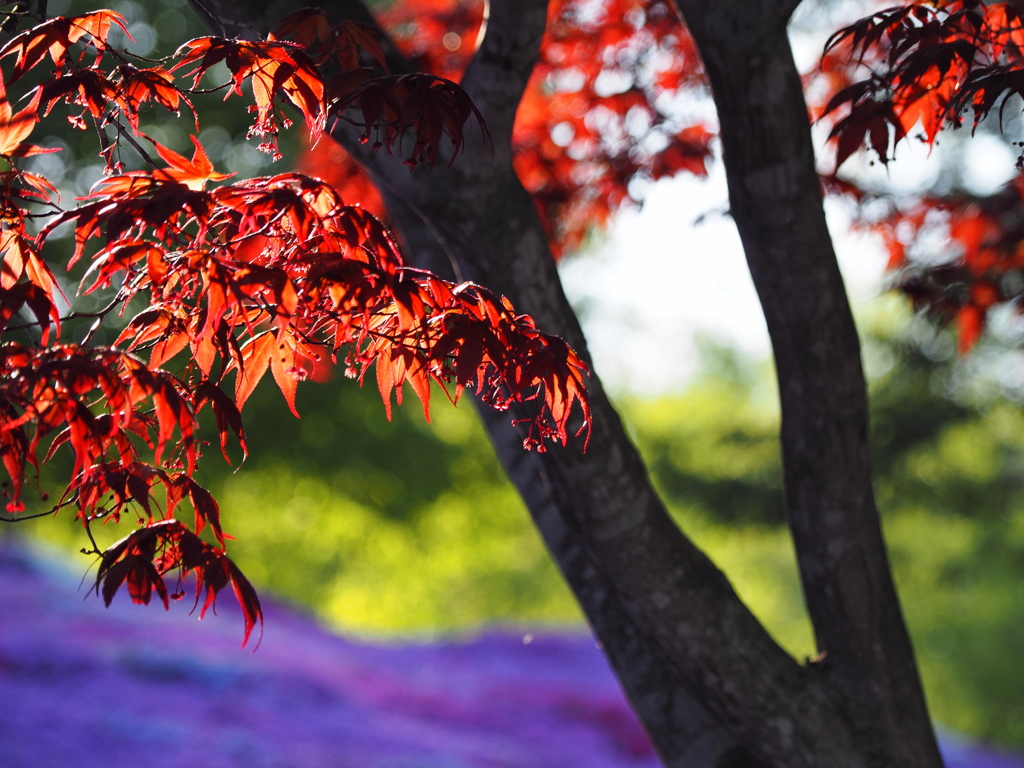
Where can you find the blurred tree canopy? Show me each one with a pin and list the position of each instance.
(411, 529)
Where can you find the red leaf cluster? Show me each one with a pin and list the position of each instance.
(928, 63)
(390, 106)
(55, 37)
(346, 44)
(386, 107)
(911, 70)
(275, 274)
(274, 71)
(142, 559)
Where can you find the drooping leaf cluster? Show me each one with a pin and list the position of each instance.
(929, 63)
(277, 273)
(910, 71)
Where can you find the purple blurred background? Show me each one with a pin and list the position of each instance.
(83, 686)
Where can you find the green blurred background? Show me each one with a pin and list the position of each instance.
(409, 529)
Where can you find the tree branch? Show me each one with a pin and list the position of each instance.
(500, 69)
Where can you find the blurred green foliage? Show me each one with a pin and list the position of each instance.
(412, 528)
(386, 527)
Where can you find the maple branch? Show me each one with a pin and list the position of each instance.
(92, 539)
(28, 327)
(98, 314)
(23, 518)
(126, 135)
(17, 12)
(105, 144)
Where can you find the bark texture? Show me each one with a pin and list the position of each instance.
(775, 200)
(711, 686)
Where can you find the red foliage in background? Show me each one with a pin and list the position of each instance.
(902, 72)
(602, 114)
(605, 112)
(907, 72)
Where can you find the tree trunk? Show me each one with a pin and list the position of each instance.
(775, 199)
(710, 685)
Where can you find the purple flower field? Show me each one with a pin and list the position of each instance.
(85, 686)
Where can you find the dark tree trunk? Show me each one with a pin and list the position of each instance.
(710, 685)
(775, 199)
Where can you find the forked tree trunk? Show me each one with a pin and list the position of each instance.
(710, 685)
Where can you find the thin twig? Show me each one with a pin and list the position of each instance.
(23, 518)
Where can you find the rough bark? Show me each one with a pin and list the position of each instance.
(775, 200)
(710, 685)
